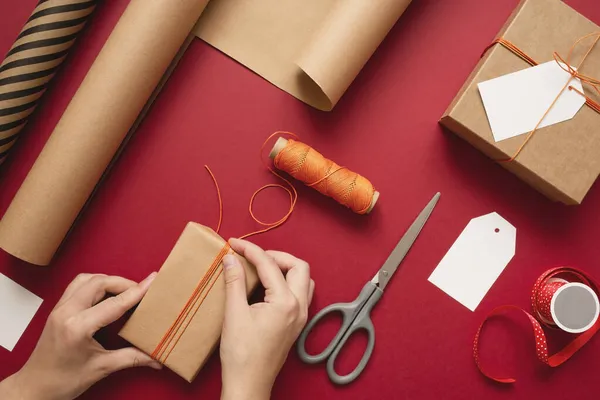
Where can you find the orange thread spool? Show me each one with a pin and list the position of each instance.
(310, 167)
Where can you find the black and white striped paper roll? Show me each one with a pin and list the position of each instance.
(34, 58)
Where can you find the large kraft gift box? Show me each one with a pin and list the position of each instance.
(563, 160)
(196, 332)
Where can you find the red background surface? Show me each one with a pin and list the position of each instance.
(214, 111)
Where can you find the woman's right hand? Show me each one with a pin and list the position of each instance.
(256, 338)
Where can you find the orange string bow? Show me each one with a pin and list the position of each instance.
(565, 64)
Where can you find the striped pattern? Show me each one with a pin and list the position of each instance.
(34, 58)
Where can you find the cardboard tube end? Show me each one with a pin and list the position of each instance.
(279, 145)
(373, 202)
(28, 258)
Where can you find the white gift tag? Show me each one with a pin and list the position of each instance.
(17, 308)
(476, 259)
(516, 102)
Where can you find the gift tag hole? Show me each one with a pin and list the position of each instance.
(497, 230)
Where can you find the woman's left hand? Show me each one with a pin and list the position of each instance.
(67, 359)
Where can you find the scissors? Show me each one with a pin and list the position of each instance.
(357, 315)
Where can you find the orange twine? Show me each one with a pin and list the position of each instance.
(289, 188)
(310, 167)
(188, 312)
(171, 338)
(303, 163)
(186, 315)
(565, 64)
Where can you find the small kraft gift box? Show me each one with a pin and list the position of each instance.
(179, 320)
(562, 160)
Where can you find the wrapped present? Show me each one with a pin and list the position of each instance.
(561, 160)
(179, 320)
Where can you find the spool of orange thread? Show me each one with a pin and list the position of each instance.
(310, 167)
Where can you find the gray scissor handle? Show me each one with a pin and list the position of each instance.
(356, 316)
(363, 321)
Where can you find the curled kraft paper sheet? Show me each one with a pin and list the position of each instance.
(312, 49)
(117, 91)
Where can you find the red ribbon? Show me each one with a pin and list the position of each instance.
(569, 274)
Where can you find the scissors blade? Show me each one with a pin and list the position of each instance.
(391, 264)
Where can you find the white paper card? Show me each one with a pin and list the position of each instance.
(476, 259)
(516, 102)
(17, 308)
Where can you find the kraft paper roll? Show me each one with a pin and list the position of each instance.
(311, 49)
(119, 87)
(33, 59)
(346, 41)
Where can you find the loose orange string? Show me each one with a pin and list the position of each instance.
(289, 188)
(175, 332)
(349, 184)
(218, 197)
(566, 66)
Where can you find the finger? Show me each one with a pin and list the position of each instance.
(268, 272)
(311, 292)
(75, 284)
(130, 357)
(96, 288)
(297, 276)
(113, 308)
(236, 299)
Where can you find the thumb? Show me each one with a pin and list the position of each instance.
(129, 357)
(235, 285)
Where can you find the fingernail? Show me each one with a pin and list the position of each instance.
(149, 278)
(229, 261)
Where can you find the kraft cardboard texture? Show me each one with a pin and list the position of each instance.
(188, 262)
(312, 49)
(562, 161)
(114, 96)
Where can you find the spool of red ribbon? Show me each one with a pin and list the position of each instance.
(562, 297)
(570, 306)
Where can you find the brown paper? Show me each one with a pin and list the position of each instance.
(113, 97)
(563, 160)
(33, 60)
(311, 49)
(188, 262)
